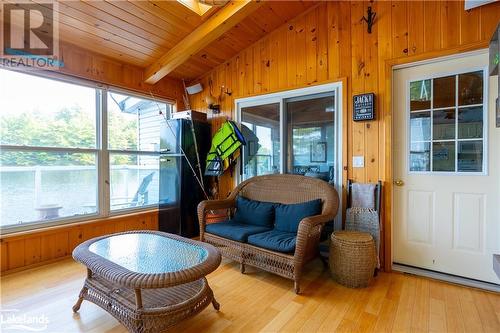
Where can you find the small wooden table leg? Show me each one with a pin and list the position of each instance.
(84, 290)
(78, 303)
(215, 304)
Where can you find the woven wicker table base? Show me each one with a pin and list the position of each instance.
(162, 307)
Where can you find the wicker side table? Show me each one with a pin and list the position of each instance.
(353, 258)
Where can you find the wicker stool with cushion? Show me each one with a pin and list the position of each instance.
(353, 258)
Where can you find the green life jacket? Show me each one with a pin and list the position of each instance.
(224, 143)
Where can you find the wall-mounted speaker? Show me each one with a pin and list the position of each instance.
(194, 89)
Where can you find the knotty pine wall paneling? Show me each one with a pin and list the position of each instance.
(33, 248)
(329, 42)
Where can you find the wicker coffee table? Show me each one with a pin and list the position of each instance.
(148, 280)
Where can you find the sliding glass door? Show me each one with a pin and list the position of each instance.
(310, 136)
(295, 131)
(291, 132)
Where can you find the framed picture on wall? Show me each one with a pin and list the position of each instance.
(318, 152)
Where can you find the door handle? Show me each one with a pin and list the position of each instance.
(399, 182)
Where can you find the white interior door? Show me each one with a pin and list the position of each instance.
(447, 167)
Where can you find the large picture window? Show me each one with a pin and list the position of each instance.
(446, 116)
(54, 166)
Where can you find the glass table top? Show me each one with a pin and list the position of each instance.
(149, 253)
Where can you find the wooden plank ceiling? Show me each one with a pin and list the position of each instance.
(140, 32)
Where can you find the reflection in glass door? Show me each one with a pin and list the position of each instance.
(310, 133)
(260, 125)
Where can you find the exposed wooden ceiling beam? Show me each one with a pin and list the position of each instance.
(223, 20)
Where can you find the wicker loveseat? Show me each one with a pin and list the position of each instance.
(283, 189)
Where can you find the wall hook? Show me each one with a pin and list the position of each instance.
(370, 20)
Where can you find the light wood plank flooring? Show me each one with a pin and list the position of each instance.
(258, 301)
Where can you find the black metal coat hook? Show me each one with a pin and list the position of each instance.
(370, 20)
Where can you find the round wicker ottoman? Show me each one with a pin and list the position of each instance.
(353, 258)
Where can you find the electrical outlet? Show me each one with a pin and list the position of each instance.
(358, 161)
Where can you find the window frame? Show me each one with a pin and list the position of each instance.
(107, 152)
(100, 151)
(456, 108)
(280, 97)
(239, 117)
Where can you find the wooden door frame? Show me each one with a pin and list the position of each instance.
(388, 134)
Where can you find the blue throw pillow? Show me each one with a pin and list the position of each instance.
(288, 217)
(254, 212)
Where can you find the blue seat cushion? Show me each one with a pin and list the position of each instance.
(274, 240)
(254, 212)
(236, 231)
(288, 217)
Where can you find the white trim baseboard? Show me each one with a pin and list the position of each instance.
(446, 277)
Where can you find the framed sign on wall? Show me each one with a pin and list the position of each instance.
(363, 107)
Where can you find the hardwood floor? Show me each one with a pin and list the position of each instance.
(259, 301)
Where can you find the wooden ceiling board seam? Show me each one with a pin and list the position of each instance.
(266, 20)
(250, 25)
(205, 58)
(76, 14)
(184, 13)
(112, 53)
(67, 32)
(218, 50)
(134, 20)
(188, 70)
(77, 25)
(131, 9)
(117, 22)
(284, 9)
(233, 41)
(243, 35)
(107, 35)
(177, 25)
(197, 63)
(227, 44)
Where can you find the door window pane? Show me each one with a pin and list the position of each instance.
(310, 128)
(443, 156)
(261, 129)
(444, 92)
(39, 186)
(420, 95)
(457, 120)
(133, 180)
(420, 153)
(470, 156)
(41, 112)
(443, 127)
(470, 123)
(134, 123)
(420, 126)
(470, 88)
